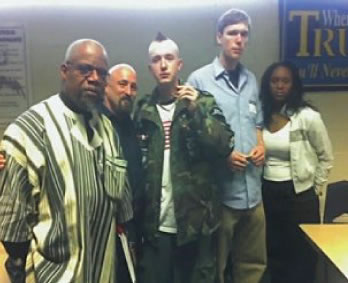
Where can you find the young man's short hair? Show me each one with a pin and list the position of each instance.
(232, 17)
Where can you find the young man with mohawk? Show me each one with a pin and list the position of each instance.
(181, 132)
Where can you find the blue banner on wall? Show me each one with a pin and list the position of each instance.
(314, 36)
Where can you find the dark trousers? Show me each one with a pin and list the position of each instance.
(291, 259)
(122, 273)
(15, 271)
(165, 262)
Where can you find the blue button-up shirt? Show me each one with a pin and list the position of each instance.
(242, 111)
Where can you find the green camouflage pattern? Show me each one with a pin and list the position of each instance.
(198, 139)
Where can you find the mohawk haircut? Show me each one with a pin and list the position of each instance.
(160, 37)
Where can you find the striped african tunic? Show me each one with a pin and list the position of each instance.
(60, 190)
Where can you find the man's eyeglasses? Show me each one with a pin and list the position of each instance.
(86, 70)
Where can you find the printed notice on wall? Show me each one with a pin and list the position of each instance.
(14, 82)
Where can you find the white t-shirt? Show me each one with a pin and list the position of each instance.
(277, 165)
(167, 221)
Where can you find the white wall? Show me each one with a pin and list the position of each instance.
(126, 34)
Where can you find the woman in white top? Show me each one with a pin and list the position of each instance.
(298, 160)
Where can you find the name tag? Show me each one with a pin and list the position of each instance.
(252, 108)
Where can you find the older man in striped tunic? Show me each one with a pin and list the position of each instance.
(64, 177)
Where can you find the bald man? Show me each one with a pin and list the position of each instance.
(120, 94)
(121, 90)
(63, 180)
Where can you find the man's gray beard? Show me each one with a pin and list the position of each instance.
(126, 106)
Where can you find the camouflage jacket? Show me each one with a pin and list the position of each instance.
(197, 139)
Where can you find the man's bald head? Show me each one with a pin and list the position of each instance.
(89, 45)
(119, 67)
(84, 73)
(121, 89)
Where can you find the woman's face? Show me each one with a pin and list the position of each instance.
(281, 84)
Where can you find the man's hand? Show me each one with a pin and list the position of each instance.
(2, 161)
(189, 93)
(237, 161)
(257, 155)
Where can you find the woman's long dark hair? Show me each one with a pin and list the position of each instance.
(294, 101)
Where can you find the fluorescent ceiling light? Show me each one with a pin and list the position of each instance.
(126, 4)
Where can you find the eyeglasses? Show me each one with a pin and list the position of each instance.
(86, 70)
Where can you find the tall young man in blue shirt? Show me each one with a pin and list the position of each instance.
(242, 234)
